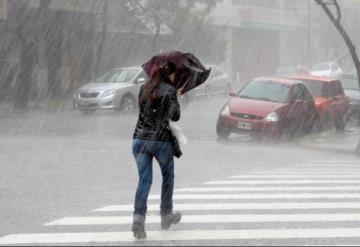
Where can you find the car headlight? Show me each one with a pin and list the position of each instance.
(108, 93)
(225, 111)
(272, 117)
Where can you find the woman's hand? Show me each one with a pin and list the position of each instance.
(179, 92)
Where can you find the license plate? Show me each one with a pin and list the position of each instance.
(85, 103)
(244, 126)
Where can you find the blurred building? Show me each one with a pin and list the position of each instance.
(68, 38)
(3, 10)
(264, 34)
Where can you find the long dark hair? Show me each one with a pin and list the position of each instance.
(163, 73)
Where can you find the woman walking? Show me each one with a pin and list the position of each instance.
(153, 139)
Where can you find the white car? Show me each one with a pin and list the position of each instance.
(329, 69)
(117, 89)
(217, 83)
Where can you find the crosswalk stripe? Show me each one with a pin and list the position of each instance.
(333, 161)
(260, 196)
(238, 218)
(262, 176)
(301, 181)
(301, 172)
(239, 206)
(108, 237)
(314, 171)
(263, 188)
(327, 166)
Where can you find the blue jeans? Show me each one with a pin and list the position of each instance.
(144, 151)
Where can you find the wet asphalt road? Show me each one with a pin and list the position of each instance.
(62, 164)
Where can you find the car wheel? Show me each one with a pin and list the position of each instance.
(222, 132)
(340, 122)
(127, 104)
(324, 123)
(87, 111)
(310, 124)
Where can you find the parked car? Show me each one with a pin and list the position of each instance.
(217, 83)
(285, 71)
(268, 106)
(117, 89)
(330, 99)
(351, 87)
(329, 69)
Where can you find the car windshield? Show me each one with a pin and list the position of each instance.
(317, 88)
(320, 66)
(118, 76)
(349, 83)
(266, 91)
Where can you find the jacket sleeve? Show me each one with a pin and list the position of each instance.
(140, 95)
(174, 107)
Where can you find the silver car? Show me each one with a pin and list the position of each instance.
(117, 90)
(217, 83)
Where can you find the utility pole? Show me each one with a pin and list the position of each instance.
(310, 32)
(100, 50)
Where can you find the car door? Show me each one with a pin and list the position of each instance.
(297, 107)
(311, 112)
(340, 101)
(139, 80)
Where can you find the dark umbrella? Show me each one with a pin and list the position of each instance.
(190, 73)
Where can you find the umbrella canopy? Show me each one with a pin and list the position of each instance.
(190, 73)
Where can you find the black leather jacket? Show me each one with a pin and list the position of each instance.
(154, 115)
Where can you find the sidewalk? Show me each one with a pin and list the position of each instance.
(54, 106)
(334, 141)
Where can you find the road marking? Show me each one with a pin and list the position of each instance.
(279, 188)
(107, 237)
(334, 161)
(294, 181)
(300, 172)
(327, 166)
(238, 218)
(263, 176)
(239, 206)
(260, 196)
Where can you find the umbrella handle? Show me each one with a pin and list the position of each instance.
(182, 88)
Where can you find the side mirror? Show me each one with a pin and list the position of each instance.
(232, 94)
(140, 80)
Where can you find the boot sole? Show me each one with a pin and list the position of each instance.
(166, 226)
(139, 232)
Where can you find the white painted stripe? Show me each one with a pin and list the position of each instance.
(300, 172)
(336, 161)
(279, 188)
(319, 170)
(327, 166)
(239, 206)
(189, 219)
(108, 237)
(298, 181)
(270, 176)
(260, 196)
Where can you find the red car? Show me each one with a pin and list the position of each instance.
(268, 107)
(332, 103)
